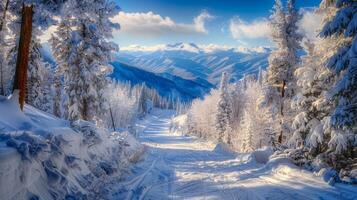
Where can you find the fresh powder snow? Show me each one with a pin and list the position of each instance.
(184, 167)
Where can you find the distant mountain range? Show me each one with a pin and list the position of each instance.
(184, 70)
(198, 68)
(167, 85)
(192, 62)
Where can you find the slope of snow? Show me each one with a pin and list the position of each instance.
(43, 157)
(181, 167)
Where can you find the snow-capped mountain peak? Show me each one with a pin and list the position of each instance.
(189, 47)
(194, 48)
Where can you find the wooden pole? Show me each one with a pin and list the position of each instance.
(23, 53)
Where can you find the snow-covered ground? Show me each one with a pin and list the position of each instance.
(181, 167)
(43, 157)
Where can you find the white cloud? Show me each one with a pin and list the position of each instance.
(243, 30)
(310, 24)
(151, 24)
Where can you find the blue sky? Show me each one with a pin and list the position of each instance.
(221, 22)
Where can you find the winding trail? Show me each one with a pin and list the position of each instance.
(180, 167)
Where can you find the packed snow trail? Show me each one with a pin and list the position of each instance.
(180, 167)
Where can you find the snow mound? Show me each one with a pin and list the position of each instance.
(43, 157)
(262, 155)
(223, 148)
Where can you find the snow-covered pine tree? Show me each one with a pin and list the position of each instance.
(257, 127)
(294, 39)
(6, 72)
(224, 111)
(279, 65)
(318, 85)
(283, 60)
(82, 50)
(57, 96)
(306, 95)
(142, 100)
(260, 77)
(343, 63)
(310, 103)
(247, 132)
(39, 79)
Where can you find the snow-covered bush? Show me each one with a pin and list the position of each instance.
(251, 123)
(202, 116)
(178, 125)
(122, 106)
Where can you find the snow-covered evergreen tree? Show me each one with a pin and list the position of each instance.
(224, 110)
(344, 64)
(6, 72)
(81, 48)
(258, 127)
(294, 38)
(283, 60)
(340, 28)
(57, 96)
(279, 66)
(313, 109)
(143, 100)
(39, 79)
(202, 115)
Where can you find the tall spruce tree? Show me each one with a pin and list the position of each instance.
(83, 52)
(224, 110)
(283, 60)
(344, 65)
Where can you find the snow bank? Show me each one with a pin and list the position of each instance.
(43, 157)
(223, 148)
(262, 155)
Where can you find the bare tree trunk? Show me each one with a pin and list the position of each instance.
(112, 118)
(23, 54)
(280, 139)
(84, 113)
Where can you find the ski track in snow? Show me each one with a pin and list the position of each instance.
(180, 167)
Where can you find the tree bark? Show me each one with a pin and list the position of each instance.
(280, 139)
(23, 53)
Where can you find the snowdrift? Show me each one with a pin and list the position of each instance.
(43, 157)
